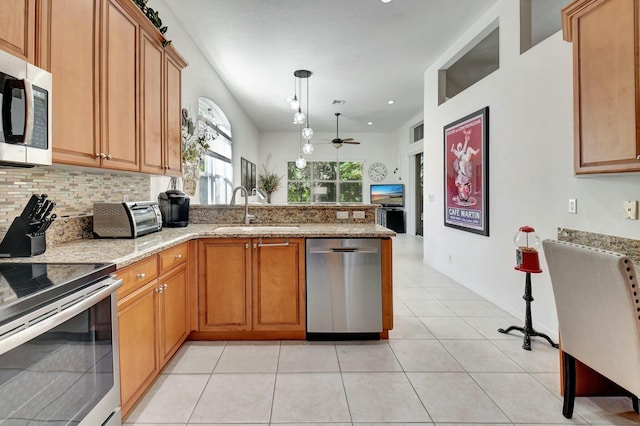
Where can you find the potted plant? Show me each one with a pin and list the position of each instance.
(269, 181)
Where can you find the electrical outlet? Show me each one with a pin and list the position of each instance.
(630, 209)
(573, 206)
(358, 214)
(342, 215)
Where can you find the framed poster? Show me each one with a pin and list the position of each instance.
(247, 174)
(466, 171)
(244, 172)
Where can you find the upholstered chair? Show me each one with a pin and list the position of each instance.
(597, 300)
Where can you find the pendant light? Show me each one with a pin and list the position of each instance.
(299, 117)
(294, 104)
(307, 132)
(307, 148)
(301, 162)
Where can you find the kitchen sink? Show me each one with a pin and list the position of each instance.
(257, 228)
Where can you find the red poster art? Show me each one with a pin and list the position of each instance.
(466, 170)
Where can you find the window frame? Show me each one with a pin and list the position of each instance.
(314, 182)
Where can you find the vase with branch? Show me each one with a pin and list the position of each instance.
(194, 146)
(268, 180)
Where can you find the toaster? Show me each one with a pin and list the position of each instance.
(126, 220)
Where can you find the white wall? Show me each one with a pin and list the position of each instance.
(199, 79)
(530, 169)
(284, 147)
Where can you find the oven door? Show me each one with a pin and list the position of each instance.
(63, 369)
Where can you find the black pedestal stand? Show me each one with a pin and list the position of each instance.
(528, 330)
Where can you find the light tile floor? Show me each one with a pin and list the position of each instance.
(444, 364)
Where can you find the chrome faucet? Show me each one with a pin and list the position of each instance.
(258, 192)
(247, 216)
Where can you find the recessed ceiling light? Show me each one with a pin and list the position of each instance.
(385, 1)
(391, 102)
(370, 123)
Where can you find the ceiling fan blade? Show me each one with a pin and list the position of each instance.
(347, 139)
(351, 142)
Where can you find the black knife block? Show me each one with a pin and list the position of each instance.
(22, 241)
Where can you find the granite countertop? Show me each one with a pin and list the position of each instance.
(124, 252)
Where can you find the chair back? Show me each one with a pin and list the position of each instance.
(597, 300)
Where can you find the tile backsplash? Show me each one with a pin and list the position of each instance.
(73, 190)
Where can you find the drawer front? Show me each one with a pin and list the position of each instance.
(173, 256)
(137, 275)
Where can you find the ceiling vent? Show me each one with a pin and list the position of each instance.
(338, 102)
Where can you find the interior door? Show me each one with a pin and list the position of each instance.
(419, 191)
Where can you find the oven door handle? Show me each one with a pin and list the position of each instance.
(31, 325)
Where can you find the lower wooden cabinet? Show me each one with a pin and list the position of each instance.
(246, 288)
(138, 340)
(153, 317)
(251, 288)
(173, 324)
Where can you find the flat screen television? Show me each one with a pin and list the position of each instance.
(388, 194)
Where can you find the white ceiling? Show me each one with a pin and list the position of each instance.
(362, 51)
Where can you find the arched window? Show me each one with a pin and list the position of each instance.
(216, 170)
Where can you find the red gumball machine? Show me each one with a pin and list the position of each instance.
(527, 260)
(527, 246)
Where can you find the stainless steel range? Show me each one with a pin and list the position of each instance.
(59, 344)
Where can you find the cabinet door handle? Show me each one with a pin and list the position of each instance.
(261, 244)
(142, 275)
(159, 289)
(108, 157)
(246, 245)
(178, 256)
(101, 155)
(164, 286)
(638, 158)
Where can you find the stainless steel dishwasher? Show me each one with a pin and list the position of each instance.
(344, 288)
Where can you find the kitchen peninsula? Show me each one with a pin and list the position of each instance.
(217, 279)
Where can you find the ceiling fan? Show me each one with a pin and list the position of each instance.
(337, 142)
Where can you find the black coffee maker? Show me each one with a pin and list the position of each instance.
(174, 206)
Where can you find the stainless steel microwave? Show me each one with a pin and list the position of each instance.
(25, 122)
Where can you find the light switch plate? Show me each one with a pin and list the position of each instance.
(630, 209)
(573, 206)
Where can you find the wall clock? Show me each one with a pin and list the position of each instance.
(377, 172)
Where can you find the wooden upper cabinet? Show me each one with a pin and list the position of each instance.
(18, 28)
(160, 106)
(120, 89)
(116, 88)
(69, 30)
(152, 152)
(605, 38)
(173, 112)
